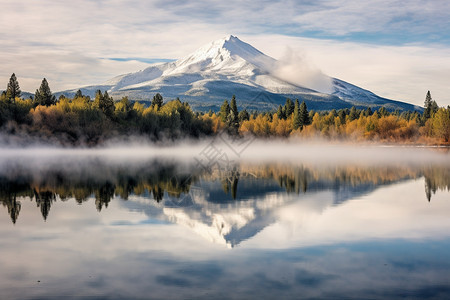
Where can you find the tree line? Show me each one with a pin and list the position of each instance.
(91, 121)
(293, 119)
(82, 120)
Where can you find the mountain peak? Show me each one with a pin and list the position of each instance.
(230, 37)
(237, 47)
(229, 43)
(224, 53)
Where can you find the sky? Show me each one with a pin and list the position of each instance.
(396, 49)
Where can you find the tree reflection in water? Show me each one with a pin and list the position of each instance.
(157, 180)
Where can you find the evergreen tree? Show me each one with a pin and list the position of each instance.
(297, 122)
(244, 116)
(342, 115)
(13, 89)
(104, 103)
(288, 108)
(233, 118)
(353, 114)
(427, 105)
(44, 95)
(107, 104)
(434, 107)
(78, 94)
(280, 112)
(304, 115)
(224, 111)
(157, 101)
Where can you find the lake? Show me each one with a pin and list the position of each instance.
(216, 220)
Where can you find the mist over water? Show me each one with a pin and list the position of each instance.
(203, 219)
(230, 151)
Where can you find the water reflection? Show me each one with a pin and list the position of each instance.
(203, 199)
(160, 228)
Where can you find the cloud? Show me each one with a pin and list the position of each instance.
(383, 17)
(65, 42)
(294, 68)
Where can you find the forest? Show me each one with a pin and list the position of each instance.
(89, 122)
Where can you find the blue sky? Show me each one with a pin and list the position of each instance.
(397, 49)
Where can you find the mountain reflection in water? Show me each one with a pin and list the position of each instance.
(322, 224)
(224, 206)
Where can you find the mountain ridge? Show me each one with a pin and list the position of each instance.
(229, 66)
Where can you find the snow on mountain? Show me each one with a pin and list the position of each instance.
(230, 66)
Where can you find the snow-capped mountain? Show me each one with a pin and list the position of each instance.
(229, 67)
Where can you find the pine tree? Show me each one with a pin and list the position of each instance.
(353, 115)
(157, 101)
(233, 118)
(297, 122)
(427, 105)
(13, 89)
(107, 104)
(288, 108)
(224, 111)
(342, 115)
(104, 103)
(244, 116)
(44, 95)
(78, 94)
(434, 108)
(304, 115)
(280, 113)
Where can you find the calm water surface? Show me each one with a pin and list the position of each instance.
(106, 227)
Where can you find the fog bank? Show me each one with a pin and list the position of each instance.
(228, 151)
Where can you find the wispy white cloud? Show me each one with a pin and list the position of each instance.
(295, 68)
